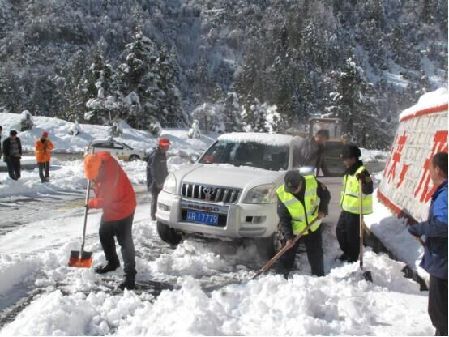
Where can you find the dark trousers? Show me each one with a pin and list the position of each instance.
(314, 247)
(348, 235)
(122, 230)
(44, 171)
(155, 190)
(438, 305)
(13, 165)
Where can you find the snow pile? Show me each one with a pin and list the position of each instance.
(338, 304)
(429, 100)
(395, 237)
(60, 134)
(56, 314)
(65, 177)
(14, 272)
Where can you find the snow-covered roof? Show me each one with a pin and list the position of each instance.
(429, 100)
(263, 138)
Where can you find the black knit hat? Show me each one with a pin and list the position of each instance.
(350, 151)
(292, 180)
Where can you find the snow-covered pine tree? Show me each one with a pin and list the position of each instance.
(170, 102)
(232, 113)
(102, 106)
(150, 74)
(75, 92)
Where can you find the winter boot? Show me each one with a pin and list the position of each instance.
(107, 267)
(129, 283)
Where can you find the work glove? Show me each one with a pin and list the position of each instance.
(95, 203)
(321, 215)
(414, 230)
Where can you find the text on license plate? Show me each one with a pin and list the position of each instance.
(201, 217)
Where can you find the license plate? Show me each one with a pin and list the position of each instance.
(201, 217)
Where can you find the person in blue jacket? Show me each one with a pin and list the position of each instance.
(434, 230)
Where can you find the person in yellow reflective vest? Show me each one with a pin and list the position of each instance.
(301, 201)
(348, 225)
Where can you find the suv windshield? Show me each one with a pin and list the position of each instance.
(253, 154)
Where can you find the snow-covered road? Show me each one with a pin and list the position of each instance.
(212, 293)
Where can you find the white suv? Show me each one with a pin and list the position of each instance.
(230, 192)
(117, 149)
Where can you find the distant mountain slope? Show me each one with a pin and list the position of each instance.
(304, 56)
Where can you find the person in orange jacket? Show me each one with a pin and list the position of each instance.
(44, 146)
(115, 195)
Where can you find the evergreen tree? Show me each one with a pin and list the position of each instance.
(102, 106)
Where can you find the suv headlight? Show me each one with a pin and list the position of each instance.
(263, 194)
(170, 184)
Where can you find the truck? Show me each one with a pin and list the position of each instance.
(333, 147)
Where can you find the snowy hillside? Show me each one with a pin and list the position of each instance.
(59, 133)
(360, 60)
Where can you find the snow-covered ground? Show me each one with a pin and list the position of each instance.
(212, 292)
(67, 301)
(72, 301)
(395, 237)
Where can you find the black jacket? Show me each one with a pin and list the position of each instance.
(157, 169)
(6, 148)
(284, 215)
(367, 182)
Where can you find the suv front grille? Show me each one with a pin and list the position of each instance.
(227, 195)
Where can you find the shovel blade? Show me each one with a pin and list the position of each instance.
(83, 261)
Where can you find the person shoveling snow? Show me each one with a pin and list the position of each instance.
(115, 195)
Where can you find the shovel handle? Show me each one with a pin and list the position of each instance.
(86, 210)
(361, 225)
(281, 252)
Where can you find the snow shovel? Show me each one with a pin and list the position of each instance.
(278, 255)
(366, 273)
(81, 258)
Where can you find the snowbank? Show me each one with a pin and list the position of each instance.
(337, 304)
(65, 177)
(59, 133)
(429, 100)
(395, 237)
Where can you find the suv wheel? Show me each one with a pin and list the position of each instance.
(134, 157)
(167, 234)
